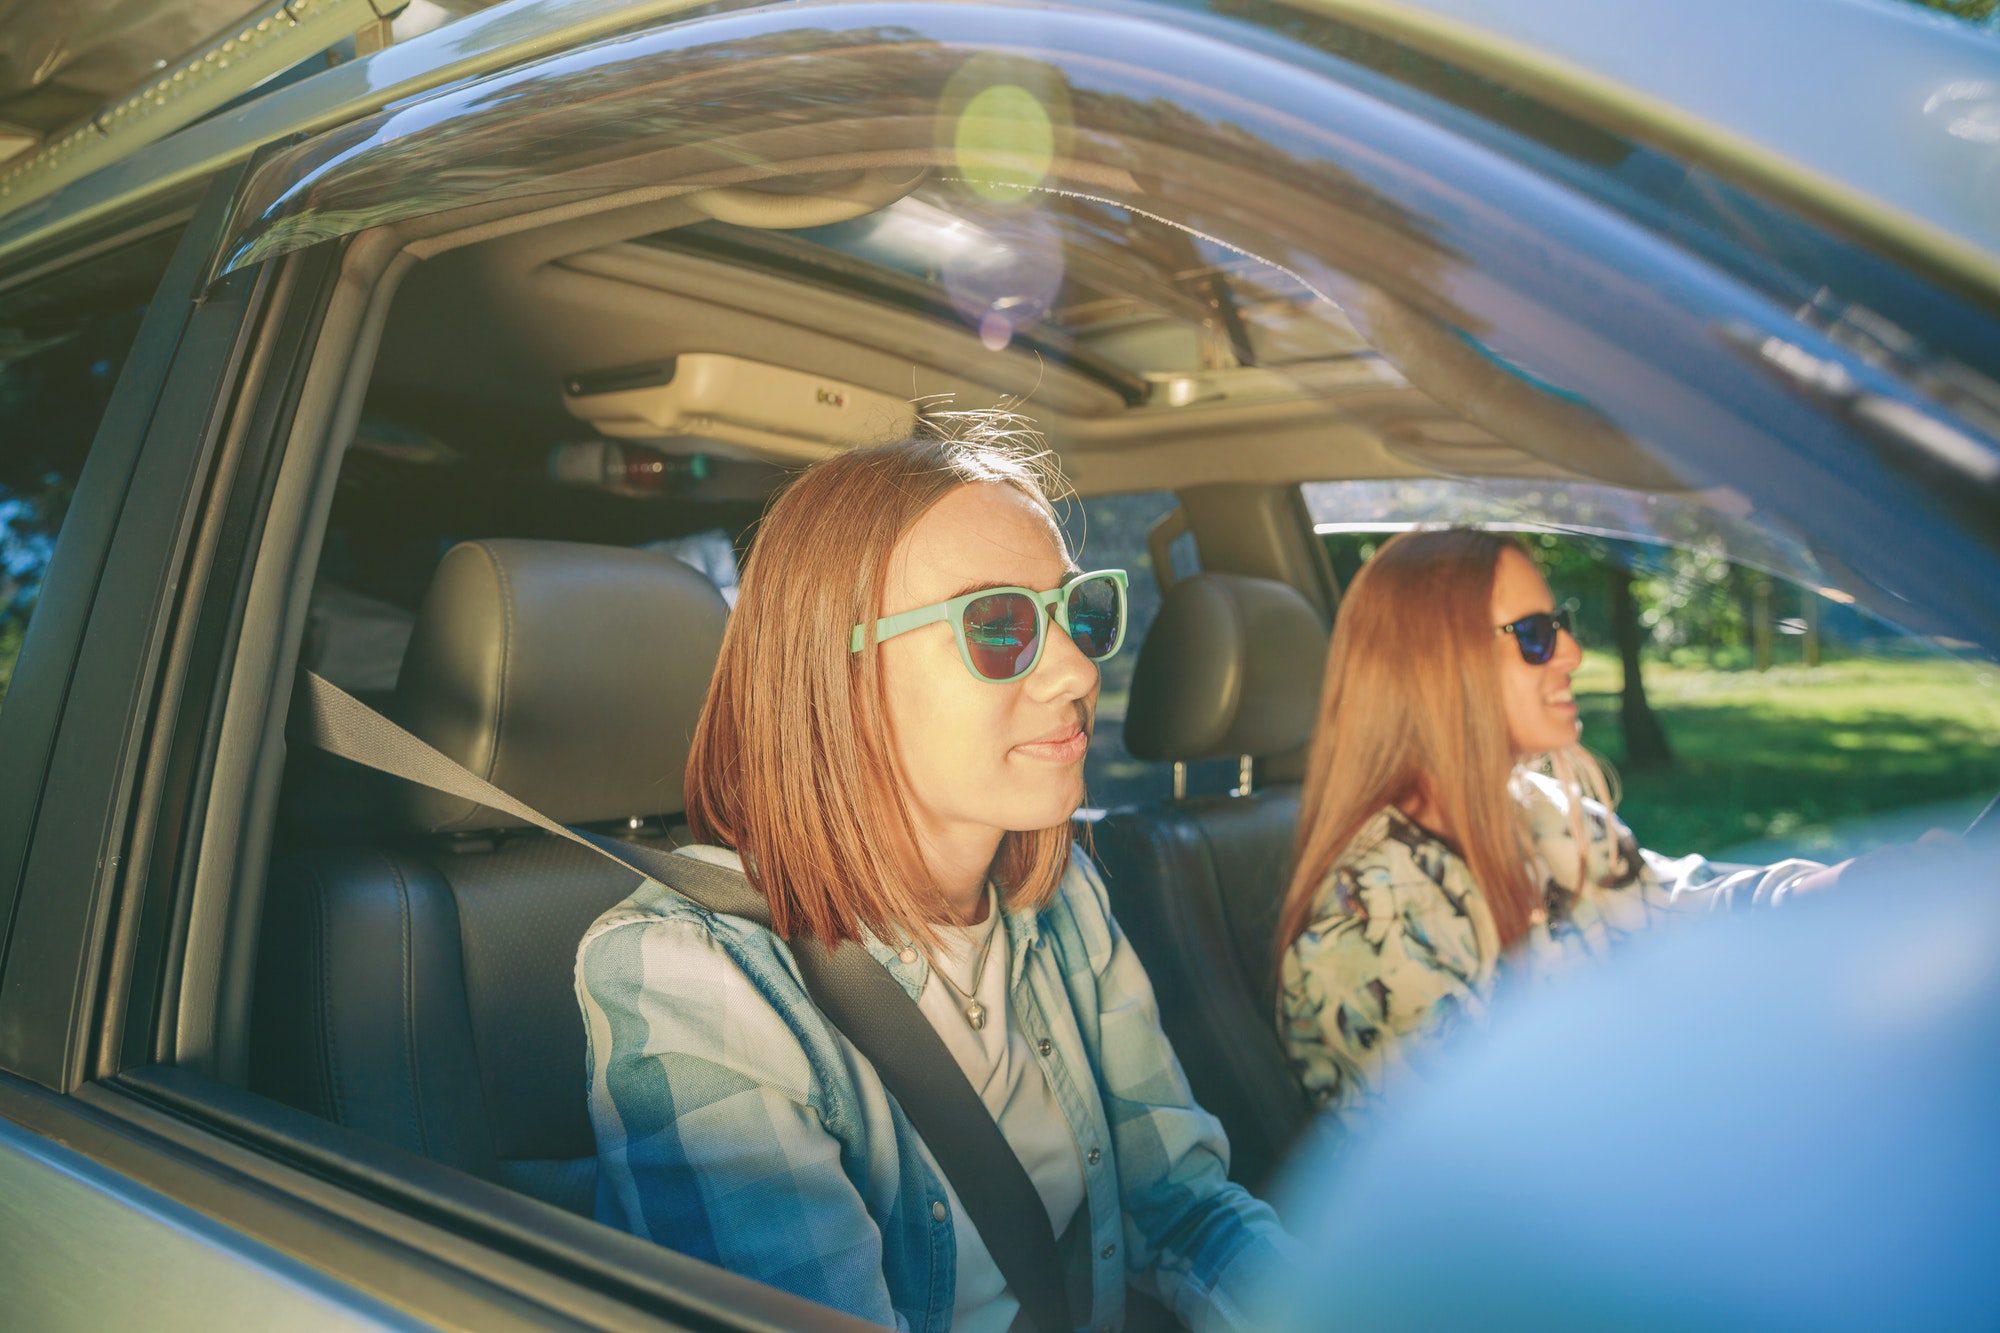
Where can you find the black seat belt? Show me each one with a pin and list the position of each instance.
(853, 990)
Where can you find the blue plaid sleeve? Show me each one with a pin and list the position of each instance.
(709, 1127)
(1206, 1247)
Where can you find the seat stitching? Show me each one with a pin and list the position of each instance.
(329, 1067)
(487, 1102)
(506, 657)
(409, 1010)
(1240, 630)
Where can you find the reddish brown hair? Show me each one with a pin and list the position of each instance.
(1411, 706)
(792, 763)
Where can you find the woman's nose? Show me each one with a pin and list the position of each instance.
(1569, 653)
(1064, 672)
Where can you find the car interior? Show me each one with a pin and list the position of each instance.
(460, 372)
(528, 595)
(530, 454)
(564, 443)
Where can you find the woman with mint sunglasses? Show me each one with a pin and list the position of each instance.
(891, 750)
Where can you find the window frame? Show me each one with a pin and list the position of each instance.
(46, 687)
(91, 987)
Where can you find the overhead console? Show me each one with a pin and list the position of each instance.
(699, 399)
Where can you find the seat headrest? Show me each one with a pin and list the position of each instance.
(1231, 667)
(568, 675)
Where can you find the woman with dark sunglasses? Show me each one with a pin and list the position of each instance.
(891, 751)
(1453, 832)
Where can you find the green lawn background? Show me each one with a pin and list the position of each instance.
(1823, 762)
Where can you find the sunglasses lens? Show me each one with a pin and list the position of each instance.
(1096, 617)
(1002, 633)
(1537, 637)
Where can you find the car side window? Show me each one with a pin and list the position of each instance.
(1111, 532)
(63, 340)
(1751, 707)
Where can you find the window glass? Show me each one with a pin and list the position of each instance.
(426, 471)
(63, 341)
(1155, 310)
(1110, 532)
(1752, 709)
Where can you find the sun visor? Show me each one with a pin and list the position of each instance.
(765, 410)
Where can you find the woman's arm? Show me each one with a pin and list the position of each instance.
(1636, 886)
(709, 1134)
(1696, 883)
(1389, 968)
(1208, 1249)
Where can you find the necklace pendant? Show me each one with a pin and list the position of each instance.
(975, 1014)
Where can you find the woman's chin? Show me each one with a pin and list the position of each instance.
(1032, 816)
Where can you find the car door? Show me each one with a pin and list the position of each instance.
(115, 1210)
(203, 1200)
(84, 693)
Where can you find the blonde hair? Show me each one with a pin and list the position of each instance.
(792, 764)
(1411, 707)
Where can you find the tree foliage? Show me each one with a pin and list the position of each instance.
(1976, 10)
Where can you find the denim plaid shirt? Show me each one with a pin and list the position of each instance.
(734, 1123)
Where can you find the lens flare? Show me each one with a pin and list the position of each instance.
(995, 331)
(1008, 280)
(1004, 142)
(1006, 123)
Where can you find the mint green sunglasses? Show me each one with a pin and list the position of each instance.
(1001, 630)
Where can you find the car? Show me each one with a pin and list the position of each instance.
(572, 286)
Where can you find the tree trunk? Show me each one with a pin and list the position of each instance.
(1760, 628)
(1645, 740)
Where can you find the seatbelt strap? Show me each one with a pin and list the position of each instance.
(853, 990)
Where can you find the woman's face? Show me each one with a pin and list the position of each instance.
(983, 758)
(1540, 711)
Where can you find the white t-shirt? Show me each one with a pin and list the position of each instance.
(1003, 1070)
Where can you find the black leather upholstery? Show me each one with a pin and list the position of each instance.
(399, 997)
(1231, 666)
(419, 988)
(567, 675)
(1196, 884)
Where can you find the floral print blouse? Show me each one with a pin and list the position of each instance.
(1401, 950)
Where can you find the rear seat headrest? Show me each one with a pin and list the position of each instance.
(1231, 667)
(568, 675)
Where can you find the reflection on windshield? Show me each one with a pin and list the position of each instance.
(1159, 311)
(1571, 507)
(1561, 302)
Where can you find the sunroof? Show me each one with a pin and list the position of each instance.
(1110, 290)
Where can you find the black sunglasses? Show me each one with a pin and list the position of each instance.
(1535, 635)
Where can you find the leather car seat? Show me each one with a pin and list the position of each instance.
(1231, 667)
(418, 987)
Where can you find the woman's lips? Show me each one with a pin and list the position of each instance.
(1564, 702)
(1064, 749)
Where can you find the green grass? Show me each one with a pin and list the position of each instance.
(1824, 762)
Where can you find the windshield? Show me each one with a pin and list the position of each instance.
(1422, 273)
(1142, 305)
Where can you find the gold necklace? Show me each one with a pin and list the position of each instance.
(975, 1012)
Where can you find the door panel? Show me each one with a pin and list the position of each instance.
(69, 1222)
